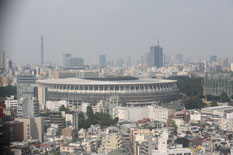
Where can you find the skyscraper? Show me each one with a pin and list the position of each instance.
(156, 56)
(102, 60)
(42, 51)
(2, 60)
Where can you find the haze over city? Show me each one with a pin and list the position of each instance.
(116, 77)
(115, 28)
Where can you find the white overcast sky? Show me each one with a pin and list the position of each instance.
(117, 28)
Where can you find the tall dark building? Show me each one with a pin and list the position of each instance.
(156, 56)
(102, 60)
(42, 50)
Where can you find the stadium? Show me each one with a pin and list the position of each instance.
(129, 90)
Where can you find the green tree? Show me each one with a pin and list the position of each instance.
(214, 103)
(183, 141)
(90, 113)
(63, 108)
(8, 91)
(193, 102)
(223, 97)
(189, 86)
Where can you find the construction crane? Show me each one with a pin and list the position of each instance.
(207, 103)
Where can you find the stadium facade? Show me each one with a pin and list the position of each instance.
(129, 90)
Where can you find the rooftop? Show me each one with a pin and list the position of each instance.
(77, 81)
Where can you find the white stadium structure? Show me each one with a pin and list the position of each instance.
(129, 90)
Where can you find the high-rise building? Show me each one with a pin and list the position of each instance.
(66, 60)
(213, 58)
(42, 50)
(2, 60)
(156, 56)
(179, 58)
(72, 62)
(102, 60)
(26, 86)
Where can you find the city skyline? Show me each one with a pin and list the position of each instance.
(115, 29)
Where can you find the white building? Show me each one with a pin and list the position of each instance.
(160, 114)
(72, 118)
(10, 102)
(130, 113)
(55, 105)
(218, 110)
(164, 150)
(154, 113)
(84, 107)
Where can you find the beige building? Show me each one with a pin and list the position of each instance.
(33, 128)
(67, 149)
(69, 133)
(42, 91)
(110, 141)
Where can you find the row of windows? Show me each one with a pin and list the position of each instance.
(115, 87)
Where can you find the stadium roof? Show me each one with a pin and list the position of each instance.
(78, 81)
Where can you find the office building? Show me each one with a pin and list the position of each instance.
(2, 60)
(56, 118)
(156, 56)
(25, 86)
(102, 60)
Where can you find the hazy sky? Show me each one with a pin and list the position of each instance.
(117, 28)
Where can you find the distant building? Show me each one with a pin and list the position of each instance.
(179, 58)
(102, 60)
(72, 62)
(25, 86)
(213, 58)
(156, 56)
(2, 60)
